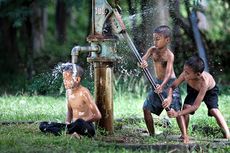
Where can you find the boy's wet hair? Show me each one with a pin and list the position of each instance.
(70, 68)
(196, 63)
(163, 30)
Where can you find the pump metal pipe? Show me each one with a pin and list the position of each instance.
(103, 83)
(77, 49)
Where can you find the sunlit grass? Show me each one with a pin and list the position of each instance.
(20, 138)
(126, 105)
(28, 138)
(34, 108)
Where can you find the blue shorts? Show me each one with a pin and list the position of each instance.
(210, 98)
(154, 104)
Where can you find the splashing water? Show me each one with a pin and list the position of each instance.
(124, 65)
(91, 70)
(74, 68)
(74, 72)
(56, 72)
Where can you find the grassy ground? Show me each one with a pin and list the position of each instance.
(129, 126)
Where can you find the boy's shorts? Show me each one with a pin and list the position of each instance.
(210, 98)
(79, 126)
(154, 104)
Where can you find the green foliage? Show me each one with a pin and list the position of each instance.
(15, 11)
(46, 84)
(76, 34)
(78, 28)
(130, 84)
(16, 84)
(18, 11)
(218, 22)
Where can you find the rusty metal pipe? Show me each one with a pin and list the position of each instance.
(77, 49)
(104, 93)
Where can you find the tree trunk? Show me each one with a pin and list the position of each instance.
(60, 17)
(174, 9)
(10, 55)
(176, 41)
(38, 22)
(154, 13)
(29, 49)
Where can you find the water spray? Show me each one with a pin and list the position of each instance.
(107, 27)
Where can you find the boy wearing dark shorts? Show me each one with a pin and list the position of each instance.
(154, 104)
(200, 87)
(81, 127)
(210, 98)
(163, 59)
(81, 108)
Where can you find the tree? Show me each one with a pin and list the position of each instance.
(22, 33)
(154, 13)
(61, 20)
(12, 17)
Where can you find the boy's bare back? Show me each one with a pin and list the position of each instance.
(205, 81)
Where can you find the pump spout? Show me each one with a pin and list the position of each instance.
(77, 49)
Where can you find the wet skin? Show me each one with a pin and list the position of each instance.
(80, 103)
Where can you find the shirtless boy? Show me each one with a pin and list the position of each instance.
(163, 60)
(81, 108)
(200, 87)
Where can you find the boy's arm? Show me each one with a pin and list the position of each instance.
(167, 102)
(93, 107)
(148, 53)
(69, 114)
(144, 63)
(196, 104)
(194, 107)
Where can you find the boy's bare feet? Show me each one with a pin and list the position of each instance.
(152, 134)
(76, 135)
(185, 139)
(227, 137)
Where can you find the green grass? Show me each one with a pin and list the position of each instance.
(127, 106)
(31, 139)
(33, 108)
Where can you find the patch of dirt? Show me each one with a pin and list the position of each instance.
(132, 136)
(137, 139)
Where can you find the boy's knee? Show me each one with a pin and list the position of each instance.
(147, 112)
(214, 111)
(74, 126)
(186, 106)
(80, 122)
